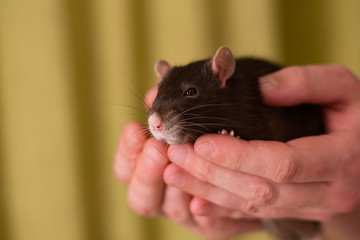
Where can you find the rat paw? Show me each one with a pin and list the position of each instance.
(225, 132)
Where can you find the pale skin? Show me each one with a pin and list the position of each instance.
(220, 184)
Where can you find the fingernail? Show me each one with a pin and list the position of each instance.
(178, 179)
(178, 154)
(205, 149)
(268, 84)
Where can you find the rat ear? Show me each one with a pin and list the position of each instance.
(161, 68)
(223, 65)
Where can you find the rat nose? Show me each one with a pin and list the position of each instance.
(155, 122)
(158, 127)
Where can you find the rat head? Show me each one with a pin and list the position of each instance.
(187, 104)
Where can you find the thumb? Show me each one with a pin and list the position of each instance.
(313, 84)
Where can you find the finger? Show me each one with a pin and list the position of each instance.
(255, 189)
(225, 227)
(146, 188)
(315, 84)
(308, 159)
(202, 207)
(176, 206)
(177, 177)
(130, 145)
(258, 190)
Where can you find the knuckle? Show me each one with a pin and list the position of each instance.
(249, 208)
(348, 79)
(207, 172)
(301, 75)
(284, 170)
(261, 193)
(238, 160)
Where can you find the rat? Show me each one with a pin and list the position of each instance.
(222, 95)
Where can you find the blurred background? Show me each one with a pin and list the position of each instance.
(70, 68)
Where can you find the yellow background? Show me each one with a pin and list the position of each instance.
(68, 68)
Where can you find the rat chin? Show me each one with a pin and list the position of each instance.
(170, 137)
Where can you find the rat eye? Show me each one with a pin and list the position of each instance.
(190, 92)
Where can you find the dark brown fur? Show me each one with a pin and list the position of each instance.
(238, 107)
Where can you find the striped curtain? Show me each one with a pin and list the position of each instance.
(71, 72)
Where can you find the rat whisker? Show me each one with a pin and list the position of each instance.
(194, 130)
(204, 118)
(201, 106)
(226, 124)
(141, 97)
(193, 138)
(196, 124)
(135, 108)
(145, 131)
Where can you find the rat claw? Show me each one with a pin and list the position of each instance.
(225, 132)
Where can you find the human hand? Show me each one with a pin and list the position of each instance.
(140, 162)
(311, 178)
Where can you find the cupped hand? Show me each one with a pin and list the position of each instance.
(140, 162)
(314, 177)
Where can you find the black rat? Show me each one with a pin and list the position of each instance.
(222, 94)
